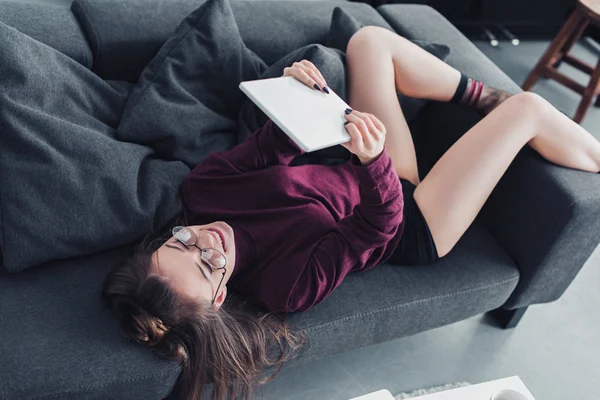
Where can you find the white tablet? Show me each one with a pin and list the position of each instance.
(312, 119)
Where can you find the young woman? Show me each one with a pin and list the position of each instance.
(285, 237)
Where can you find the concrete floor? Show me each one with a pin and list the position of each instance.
(554, 349)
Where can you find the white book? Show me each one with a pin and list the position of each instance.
(312, 119)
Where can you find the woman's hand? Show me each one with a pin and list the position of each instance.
(367, 135)
(307, 73)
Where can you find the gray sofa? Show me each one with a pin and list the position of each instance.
(59, 341)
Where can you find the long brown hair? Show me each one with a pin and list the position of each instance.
(230, 347)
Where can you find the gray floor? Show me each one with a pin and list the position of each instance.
(554, 349)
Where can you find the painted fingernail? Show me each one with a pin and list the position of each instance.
(346, 123)
(317, 87)
(325, 89)
(348, 111)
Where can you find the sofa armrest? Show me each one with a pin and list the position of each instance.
(546, 217)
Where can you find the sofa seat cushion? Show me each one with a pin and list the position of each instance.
(52, 25)
(62, 342)
(126, 35)
(393, 301)
(59, 340)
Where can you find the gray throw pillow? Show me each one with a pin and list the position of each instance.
(343, 26)
(186, 101)
(68, 187)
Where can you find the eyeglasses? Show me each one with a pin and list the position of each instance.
(211, 256)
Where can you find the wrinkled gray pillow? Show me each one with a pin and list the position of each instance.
(343, 26)
(67, 186)
(186, 101)
(331, 63)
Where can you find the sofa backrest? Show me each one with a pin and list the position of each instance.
(53, 25)
(124, 35)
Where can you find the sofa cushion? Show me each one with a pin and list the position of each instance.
(63, 341)
(391, 301)
(126, 35)
(344, 26)
(68, 187)
(186, 101)
(59, 340)
(52, 25)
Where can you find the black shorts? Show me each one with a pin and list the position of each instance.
(416, 243)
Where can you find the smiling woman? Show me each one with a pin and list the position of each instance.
(162, 296)
(191, 257)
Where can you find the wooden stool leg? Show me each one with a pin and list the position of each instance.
(588, 95)
(558, 42)
(583, 23)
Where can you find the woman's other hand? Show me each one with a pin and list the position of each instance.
(367, 135)
(307, 73)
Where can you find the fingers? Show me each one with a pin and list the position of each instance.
(377, 123)
(355, 145)
(367, 135)
(312, 66)
(307, 73)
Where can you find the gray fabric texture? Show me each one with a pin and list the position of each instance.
(126, 35)
(68, 187)
(59, 340)
(343, 26)
(391, 301)
(186, 101)
(52, 25)
(67, 344)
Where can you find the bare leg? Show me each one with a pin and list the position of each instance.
(452, 194)
(381, 63)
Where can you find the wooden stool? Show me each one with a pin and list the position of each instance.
(586, 11)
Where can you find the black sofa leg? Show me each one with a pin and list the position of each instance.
(508, 318)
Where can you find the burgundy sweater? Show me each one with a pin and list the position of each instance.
(299, 230)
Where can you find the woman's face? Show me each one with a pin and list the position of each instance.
(184, 269)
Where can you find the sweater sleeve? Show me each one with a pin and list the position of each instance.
(268, 146)
(373, 223)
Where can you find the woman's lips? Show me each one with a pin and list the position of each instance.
(222, 236)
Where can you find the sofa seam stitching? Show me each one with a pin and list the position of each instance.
(88, 388)
(349, 317)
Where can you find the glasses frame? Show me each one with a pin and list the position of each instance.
(213, 268)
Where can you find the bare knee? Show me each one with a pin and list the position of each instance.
(366, 36)
(529, 104)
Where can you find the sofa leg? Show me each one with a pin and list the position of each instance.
(508, 318)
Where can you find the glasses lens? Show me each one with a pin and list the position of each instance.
(214, 257)
(184, 235)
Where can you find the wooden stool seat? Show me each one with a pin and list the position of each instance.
(586, 12)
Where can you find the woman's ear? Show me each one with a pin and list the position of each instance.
(220, 298)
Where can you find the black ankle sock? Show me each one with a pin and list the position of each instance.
(475, 89)
(460, 90)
